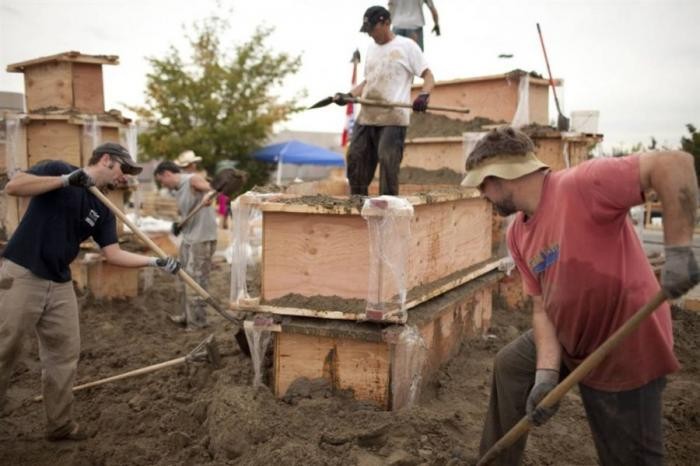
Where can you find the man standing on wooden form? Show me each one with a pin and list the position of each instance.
(581, 261)
(379, 133)
(36, 291)
(199, 237)
(408, 20)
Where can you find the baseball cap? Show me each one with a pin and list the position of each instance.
(372, 16)
(506, 166)
(120, 153)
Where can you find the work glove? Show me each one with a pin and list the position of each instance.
(169, 264)
(342, 98)
(420, 104)
(77, 178)
(176, 228)
(545, 381)
(436, 29)
(680, 272)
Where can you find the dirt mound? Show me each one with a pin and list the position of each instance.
(191, 414)
(433, 125)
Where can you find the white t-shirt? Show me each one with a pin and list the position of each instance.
(408, 14)
(389, 72)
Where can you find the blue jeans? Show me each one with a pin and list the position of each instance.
(415, 34)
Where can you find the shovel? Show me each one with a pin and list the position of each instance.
(240, 334)
(228, 181)
(562, 121)
(381, 103)
(574, 377)
(207, 351)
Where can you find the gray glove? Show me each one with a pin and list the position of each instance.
(169, 264)
(680, 272)
(343, 98)
(77, 178)
(545, 381)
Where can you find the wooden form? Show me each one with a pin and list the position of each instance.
(494, 97)
(365, 358)
(69, 80)
(322, 251)
(104, 281)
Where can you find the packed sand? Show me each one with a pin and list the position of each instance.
(191, 415)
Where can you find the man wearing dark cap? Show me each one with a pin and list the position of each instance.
(36, 291)
(379, 133)
(581, 261)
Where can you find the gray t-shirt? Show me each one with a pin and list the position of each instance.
(201, 227)
(408, 14)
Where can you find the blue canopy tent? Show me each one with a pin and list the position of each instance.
(298, 153)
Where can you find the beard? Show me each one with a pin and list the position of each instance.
(505, 208)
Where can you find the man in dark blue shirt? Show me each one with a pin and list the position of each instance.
(36, 291)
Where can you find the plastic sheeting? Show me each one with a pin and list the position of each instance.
(522, 111)
(389, 223)
(12, 126)
(410, 354)
(259, 336)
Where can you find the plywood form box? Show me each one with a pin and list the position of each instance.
(316, 259)
(494, 97)
(69, 80)
(375, 362)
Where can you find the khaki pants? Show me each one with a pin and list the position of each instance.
(28, 302)
(195, 259)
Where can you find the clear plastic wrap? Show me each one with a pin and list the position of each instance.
(389, 223)
(259, 336)
(410, 354)
(12, 127)
(522, 111)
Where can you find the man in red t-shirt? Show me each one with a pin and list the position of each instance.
(587, 273)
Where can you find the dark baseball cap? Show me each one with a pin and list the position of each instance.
(120, 153)
(374, 15)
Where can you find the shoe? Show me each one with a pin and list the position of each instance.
(179, 320)
(73, 432)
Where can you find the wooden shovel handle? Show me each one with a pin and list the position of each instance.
(160, 253)
(574, 377)
(208, 197)
(380, 103)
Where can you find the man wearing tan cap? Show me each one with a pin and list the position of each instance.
(581, 261)
(36, 291)
(188, 161)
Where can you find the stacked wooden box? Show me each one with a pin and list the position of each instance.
(64, 120)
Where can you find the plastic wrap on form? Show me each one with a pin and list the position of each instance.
(389, 224)
(259, 336)
(410, 354)
(246, 245)
(522, 111)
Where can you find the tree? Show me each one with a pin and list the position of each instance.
(692, 145)
(219, 105)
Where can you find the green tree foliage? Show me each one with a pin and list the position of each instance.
(692, 145)
(220, 105)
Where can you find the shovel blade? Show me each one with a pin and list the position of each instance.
(322, 102)
(562, 123)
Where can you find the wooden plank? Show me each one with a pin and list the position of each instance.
(53, 140)
(107, 281)
(360, 366)
(434, 154)
(71, 56)
(88, 88)
(48, 85)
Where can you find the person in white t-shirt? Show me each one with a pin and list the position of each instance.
(407, 18)
(379, 132)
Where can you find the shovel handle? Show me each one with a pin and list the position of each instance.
(199, 206)
(380, 103)
(160, 253)
(574, 377)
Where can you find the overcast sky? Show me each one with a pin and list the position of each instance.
(636, 61)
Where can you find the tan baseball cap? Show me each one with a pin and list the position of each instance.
(508, 167)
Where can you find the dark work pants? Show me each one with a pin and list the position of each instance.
(626, 425)
(372, 145)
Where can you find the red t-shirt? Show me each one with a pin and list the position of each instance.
(580, 252)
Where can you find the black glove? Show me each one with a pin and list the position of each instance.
(545, 381)
(421, 102)
(680, 272)
(169, 264)
(176, 228)
(77, 178)
(436, 29)
(342, 98)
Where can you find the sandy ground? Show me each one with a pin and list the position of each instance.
(190, 415)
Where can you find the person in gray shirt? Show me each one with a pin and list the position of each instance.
(407, 18)
(199, 236)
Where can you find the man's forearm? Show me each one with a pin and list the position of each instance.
(546, 342)
(428, 81)
(117, 256)
(25, 184)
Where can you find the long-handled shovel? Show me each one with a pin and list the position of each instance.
(207, 351)
(240, 334)
(574, 377)
(379, 103)
(228, 181)
(562, 121)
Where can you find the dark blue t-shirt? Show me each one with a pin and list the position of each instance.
(48, 238)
